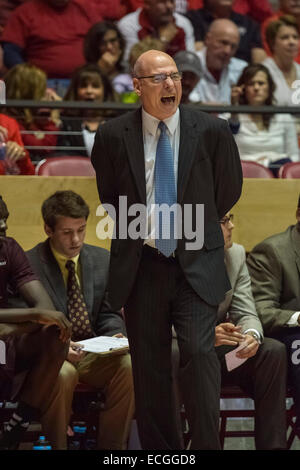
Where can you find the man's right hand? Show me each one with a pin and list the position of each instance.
(53, 317)
(75, 353)
(228, 333)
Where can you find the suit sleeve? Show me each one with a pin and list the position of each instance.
(108, 321)
(266, 278)
(242, 309)
(227, 169)
(105, 172)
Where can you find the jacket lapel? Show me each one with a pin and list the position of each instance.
(296, 244)
(133, 136)
(87, 278)
(54, 276)
(189, 133)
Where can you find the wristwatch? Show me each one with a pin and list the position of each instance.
(255, 336)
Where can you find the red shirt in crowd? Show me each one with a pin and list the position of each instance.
(259, 10)
(25, 165)
(52, 39)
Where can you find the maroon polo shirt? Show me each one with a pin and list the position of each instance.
(15, 269)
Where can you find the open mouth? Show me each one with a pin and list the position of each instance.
(168, 99)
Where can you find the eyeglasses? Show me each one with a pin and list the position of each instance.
(161, 77)
(225, 221)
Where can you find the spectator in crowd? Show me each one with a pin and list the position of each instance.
(220, 69)
(158, 19)
(268, 139)
(259, 10)
(87, 84)
(147, 44)
(263, 375)
(36, 339)
(188, 63)
(250, 45)
(104, 46)
(286, 7)
(27, 82)
(275, 274)
(75, 276)
(282, 37)
(14, 158)
(49, 34)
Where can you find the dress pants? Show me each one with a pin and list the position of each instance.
(291, 338)
(263, 377)
(161, 297)
(111, 372)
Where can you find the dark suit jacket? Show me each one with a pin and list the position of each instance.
(94, 263)
(209, 173)
(274, 267)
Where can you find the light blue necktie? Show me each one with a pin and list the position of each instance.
(165, 193)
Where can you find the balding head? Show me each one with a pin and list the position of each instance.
(222, 26)
(150, 59)
(222, 40)
(159, 98)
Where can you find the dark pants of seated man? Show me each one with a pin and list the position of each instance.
(291, 338)
(263, 377)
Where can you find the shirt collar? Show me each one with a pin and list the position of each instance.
(150, 123)
(61, 259)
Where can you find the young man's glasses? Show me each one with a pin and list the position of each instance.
(225, 221)
(161, 77)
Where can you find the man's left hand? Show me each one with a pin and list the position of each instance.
(250, 349)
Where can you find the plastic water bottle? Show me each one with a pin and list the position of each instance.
(78, 440)
(42, 444)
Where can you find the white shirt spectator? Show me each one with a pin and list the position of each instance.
(283, 93)
(129, 27)
(267, 145)
(208, 90)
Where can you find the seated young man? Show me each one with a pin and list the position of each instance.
(75, 276)
(263, 375)
(36, 340)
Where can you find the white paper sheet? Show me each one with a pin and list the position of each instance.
(232, 361)
(104, 344)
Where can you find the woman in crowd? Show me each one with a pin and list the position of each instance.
(14, 159)
(27, 82)
(283, 40)
(104, 46)
(268, 139)
(87, 84)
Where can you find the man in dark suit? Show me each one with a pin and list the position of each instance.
(274, 266)
(56, 260)
(160, 279)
